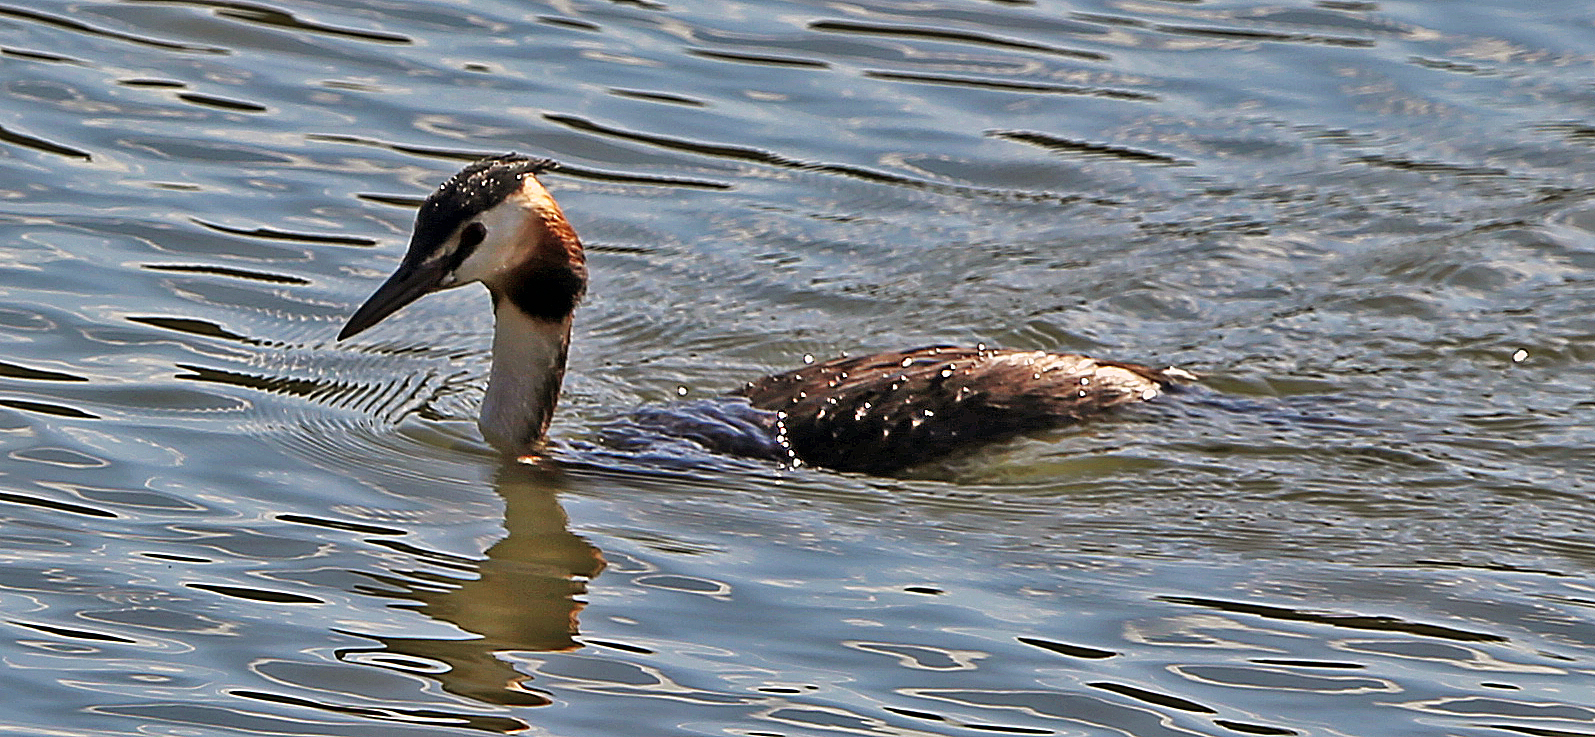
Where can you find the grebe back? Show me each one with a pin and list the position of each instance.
(494, 223)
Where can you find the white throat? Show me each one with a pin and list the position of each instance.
(523, 386)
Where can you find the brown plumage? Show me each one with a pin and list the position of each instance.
(883, 412)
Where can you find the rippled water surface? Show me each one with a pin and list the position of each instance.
(1370, 225)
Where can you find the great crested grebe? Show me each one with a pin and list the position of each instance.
(494, 223)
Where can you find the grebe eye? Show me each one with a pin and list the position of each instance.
(471, 236)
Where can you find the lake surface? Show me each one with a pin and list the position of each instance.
(1369, 225)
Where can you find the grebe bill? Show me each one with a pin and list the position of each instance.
(494, 223)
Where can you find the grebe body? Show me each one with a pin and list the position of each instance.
(883, 412)
(493, 222)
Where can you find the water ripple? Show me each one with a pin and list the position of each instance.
(268, 16)
(84, 28)
(950, 35)
(1370, 226)
(765, 157)
(40, 144)
(1013, 86)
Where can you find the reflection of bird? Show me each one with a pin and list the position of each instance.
(524, 597)
(493, 222)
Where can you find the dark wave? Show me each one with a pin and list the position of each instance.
(39, 144)
(272, 17)
(80, 27)
(943, 34)
(1007, 86)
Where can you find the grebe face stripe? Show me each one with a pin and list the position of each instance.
(471, 236)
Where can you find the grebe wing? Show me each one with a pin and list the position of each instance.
(886, 411)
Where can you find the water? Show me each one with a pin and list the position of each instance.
(1370, 225)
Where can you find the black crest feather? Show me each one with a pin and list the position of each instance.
(477, 187)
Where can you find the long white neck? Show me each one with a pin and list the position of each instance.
(523, 387)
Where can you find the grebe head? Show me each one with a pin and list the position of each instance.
(493, 222)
